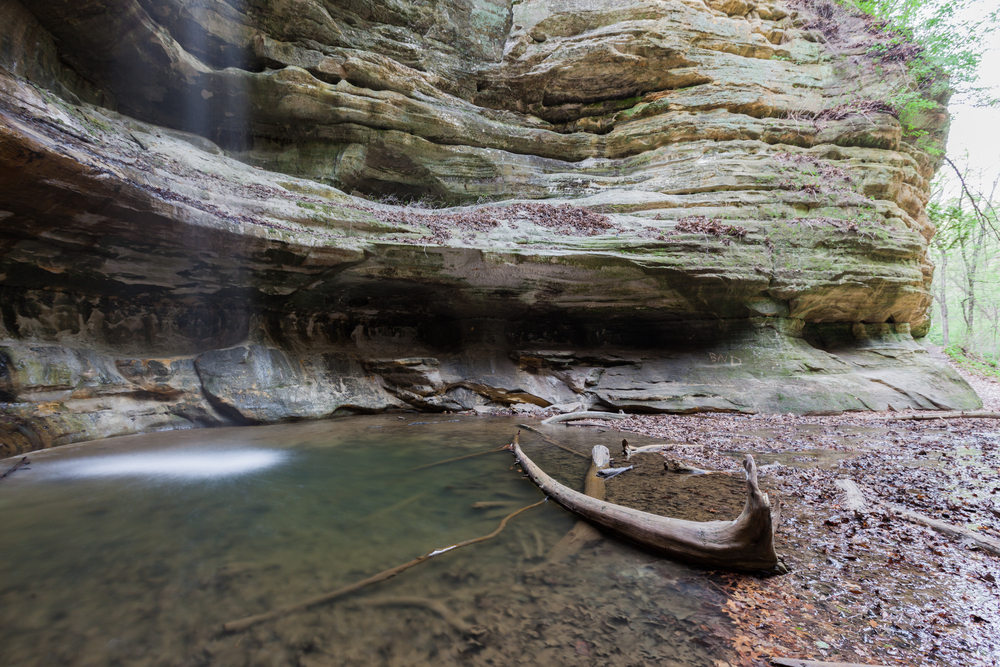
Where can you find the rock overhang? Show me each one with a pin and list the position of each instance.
(709, 194)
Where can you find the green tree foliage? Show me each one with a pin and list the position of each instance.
(952, 36)
(938, 46)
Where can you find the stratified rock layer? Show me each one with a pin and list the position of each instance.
(655, 206)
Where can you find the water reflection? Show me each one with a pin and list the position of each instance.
(108, 566)
(176, 465)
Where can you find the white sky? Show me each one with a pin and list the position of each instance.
(976, 131)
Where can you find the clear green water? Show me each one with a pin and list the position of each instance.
(135, 551)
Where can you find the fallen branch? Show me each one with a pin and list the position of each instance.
(552, 441)
(984, 542)
(244, 623)
(577, 416)
(646, 449)
(744, 544)
(459, 458)
(608, 473)
(628, 450)
(854, 499)
(945, 415)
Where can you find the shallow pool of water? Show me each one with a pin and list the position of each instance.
(135, 551)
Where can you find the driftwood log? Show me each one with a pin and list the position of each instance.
(628, 450)
(669, 465)
(681, 468)
(945, 415)
(582, 533)
(854, 499)
(745, 544)
(577, 416)
(797, 662)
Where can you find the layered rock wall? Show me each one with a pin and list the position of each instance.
(229, 212)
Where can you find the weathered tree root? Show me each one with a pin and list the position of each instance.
(244, 623)
(854, 500)
(744, 544)
(577, 416)
(945, 415)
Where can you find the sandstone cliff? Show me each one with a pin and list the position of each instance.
(216, 212)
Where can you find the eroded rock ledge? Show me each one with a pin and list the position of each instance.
(680, 206)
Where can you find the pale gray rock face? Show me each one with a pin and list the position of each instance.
(207, 212)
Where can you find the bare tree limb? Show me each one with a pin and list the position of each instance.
(968, 193)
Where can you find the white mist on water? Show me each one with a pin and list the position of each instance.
(176, 465)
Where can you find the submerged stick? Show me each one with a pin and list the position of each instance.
(244, 623)
(459, 458)
(437, 606)
(552, 441)
(23, 462)
(395, 507)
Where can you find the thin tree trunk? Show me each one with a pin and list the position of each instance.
(943, 299)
